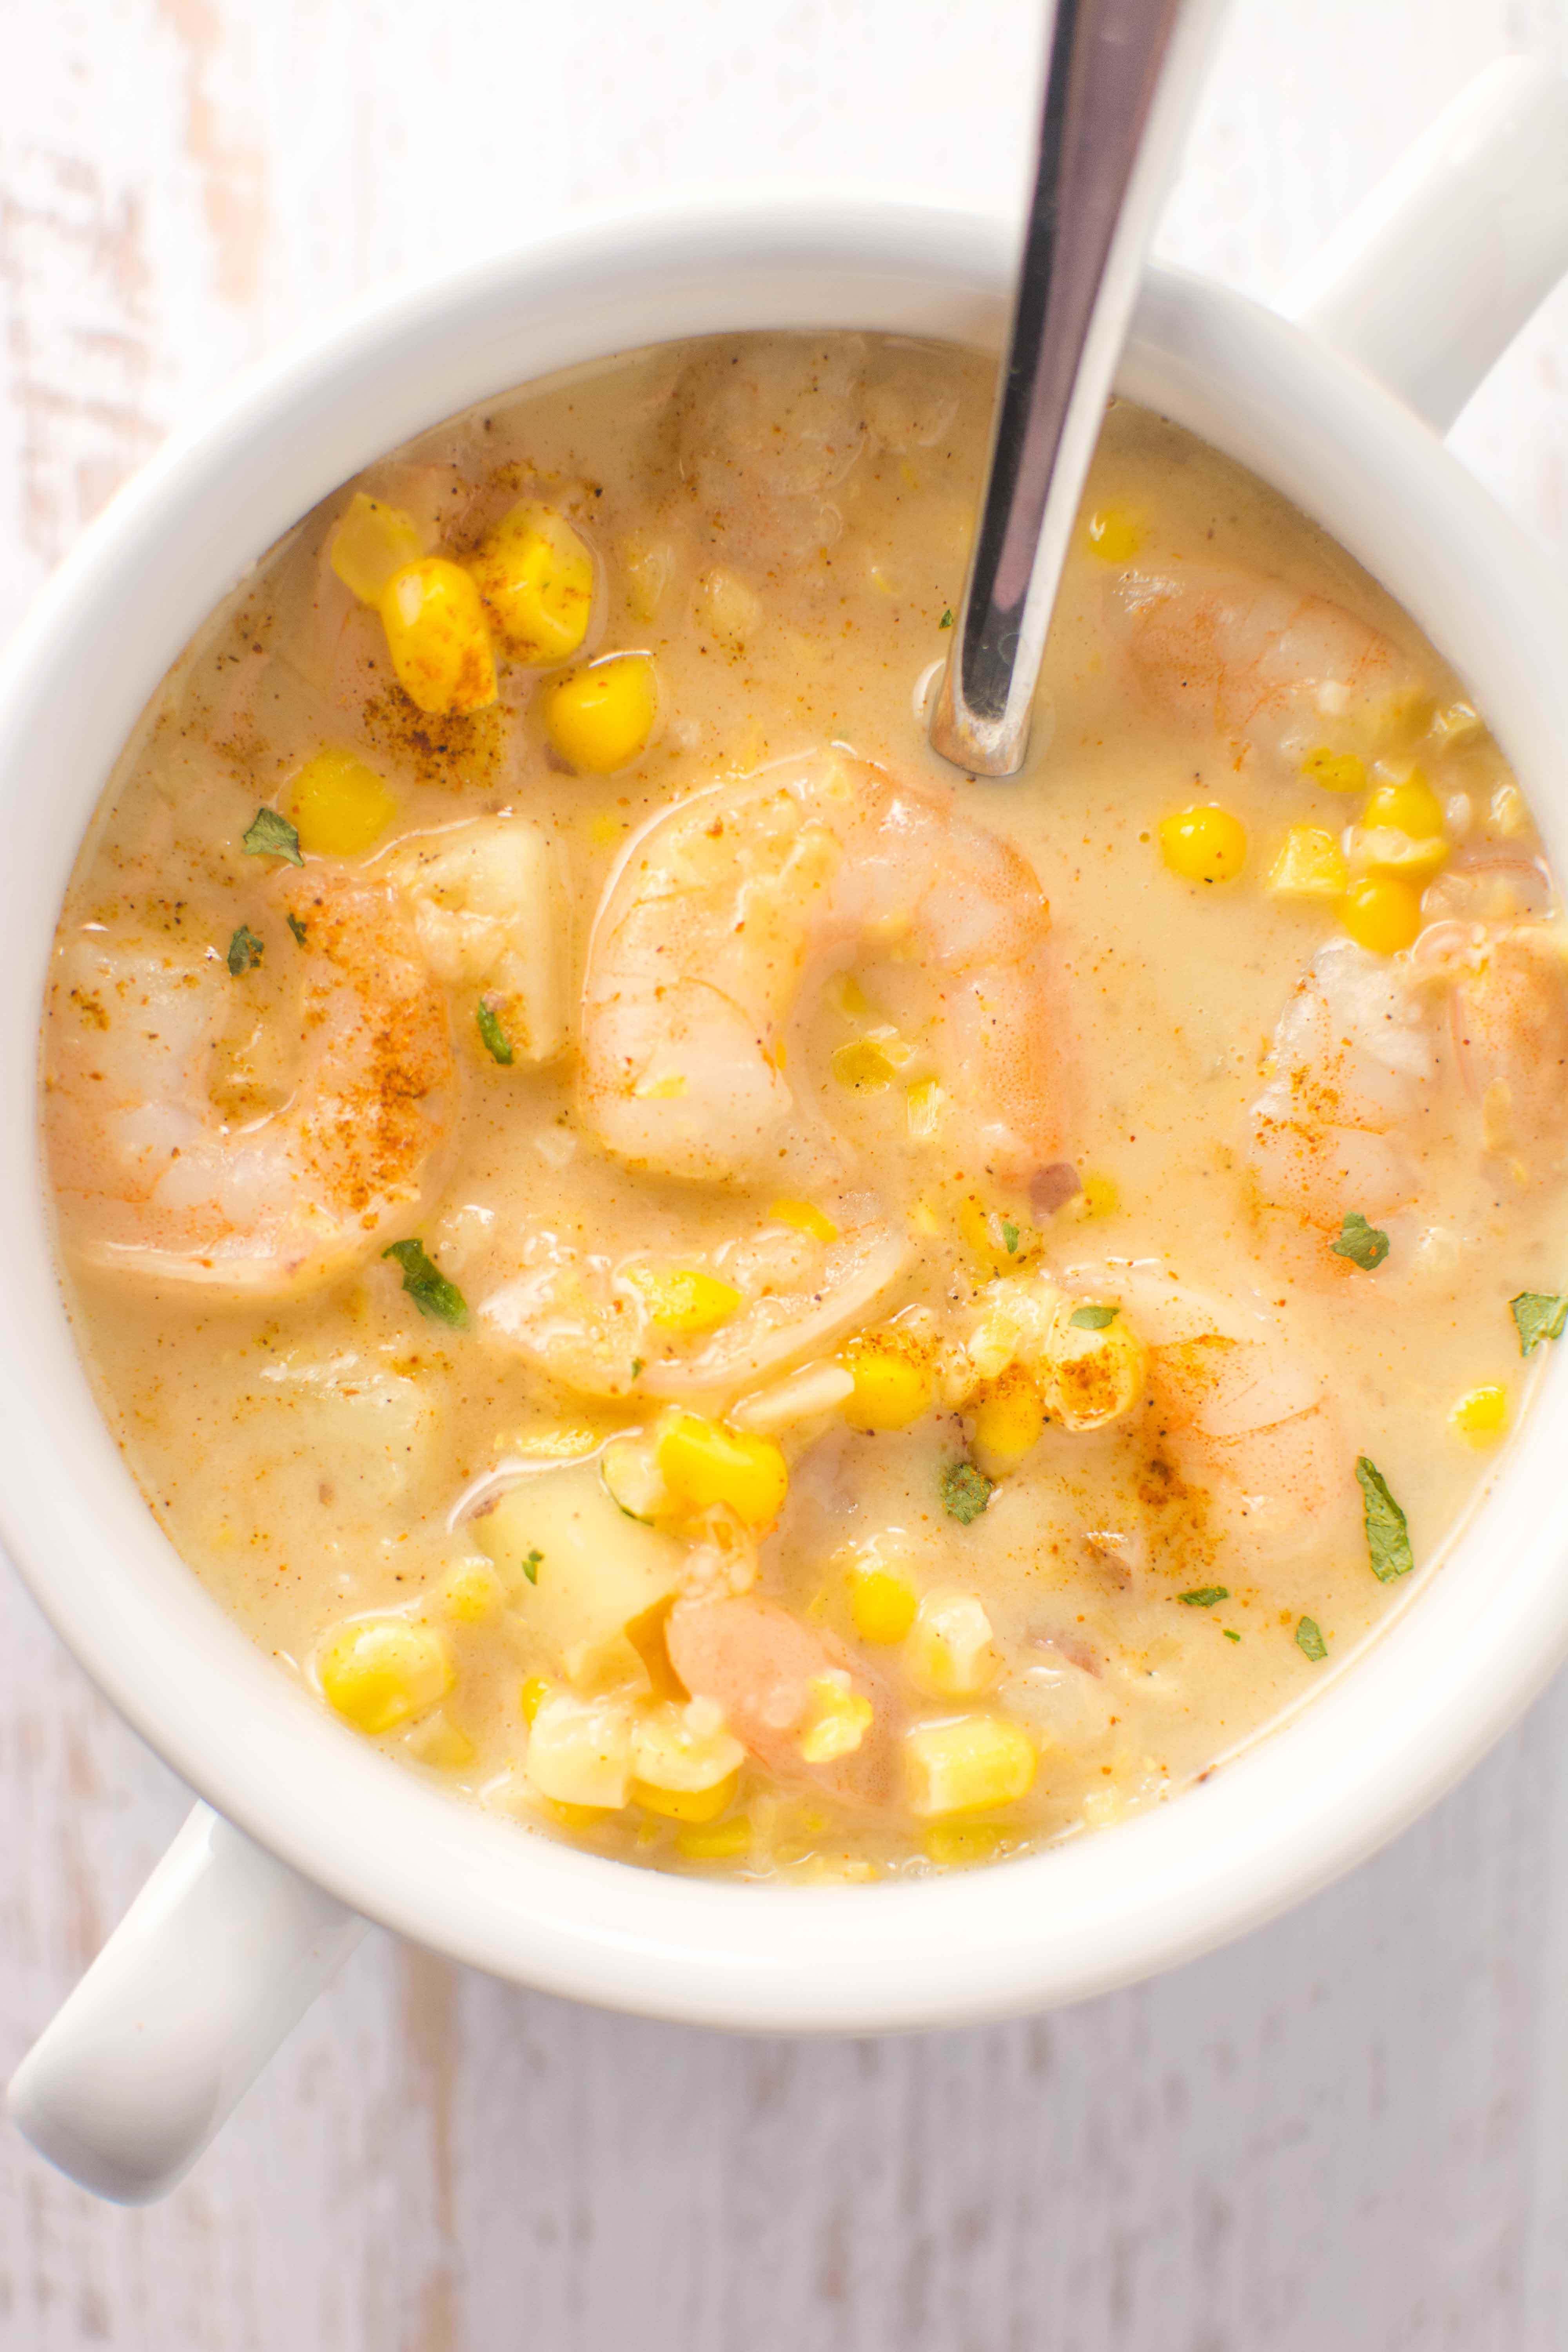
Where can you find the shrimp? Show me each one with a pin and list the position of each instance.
(1337, 1124)
(758, 1663)
(154, 1181)
(1508, 1010)
(1275, 670)
(586, 1322)
(732, 907)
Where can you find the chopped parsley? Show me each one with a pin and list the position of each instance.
(1205, 1596)
(428, 1288)
(946, 620)
(965, 1491)
(1229, 1634)
(245, 952)
(1310, 1641)
(637, 1362)
(1537, 1315)
(298, 928)
(1387, 1532)
(532, 1563)
(1094, 1319)
(272, 836)
(1010, 1235)
(1363, 1244)
(497, 1044)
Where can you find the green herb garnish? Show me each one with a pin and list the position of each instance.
(532, 1564)
(1229, 1634)
(1362, 1244)
(1310, 1641)
(637, 1362)
(946, 620)
(244, 951)
(1537, 1315)
(428, 1288)
(1387, 1531)
(1092, 1319)
(1010, 1235)
(965, 1491)
(272, 836)
(1205, 1596)
(298, 928)
(497, 1042)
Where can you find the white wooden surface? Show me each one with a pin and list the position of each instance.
(1349, 2134)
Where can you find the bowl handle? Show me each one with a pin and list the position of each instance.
(219, 1956)
(1434, 274)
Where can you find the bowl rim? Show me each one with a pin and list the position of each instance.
(1391, 1726)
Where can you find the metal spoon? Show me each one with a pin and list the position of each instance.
(1119, 83)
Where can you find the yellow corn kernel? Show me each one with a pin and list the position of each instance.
(579, 1817)
(686, 1301)
(471, 1591)
(537, 578)
(956, 1845)
(382, 1671)
(703, 1463)
(967, 1765)
(805, 1220)
(605, 831)
(372, 543)
(600, 718)
(923, 1108)
(1009, 1416)
(441, 1745)
(1098, 1370)
(535, 1691)
(686, 1804)
(1411, 806)
(438, 637)
(893, 1381)
(715, 1841)
(949, 1652)
(1116, 534)
(1311, 864)
(997, 1244)
(882, 1604)
(649, 565)
(1383, 913)
(1480, 1415)
(924, 1221)
(337, 805)
(580, 1750)
(1337, 771)
(850, 998)
(868, 1063)
(1098, 1197)
(836, 1720)
(1204, 843)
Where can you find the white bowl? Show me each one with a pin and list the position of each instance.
(239, 1927)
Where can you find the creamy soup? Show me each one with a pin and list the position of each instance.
(728, 1291)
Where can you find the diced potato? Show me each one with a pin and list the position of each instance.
(438, 637)
(730, 610)
(967, 1765)
(441, 1744)
(649, 566)
(578, 1570)
(1311, 864)
(491, 906)
(704, 1463)
(949, 1652)
(370, 542)
(536, 576)
(380, 1672)
(579, 1752)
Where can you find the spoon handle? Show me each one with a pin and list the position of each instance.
(1121, 78)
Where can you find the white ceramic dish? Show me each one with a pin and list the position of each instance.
(240, 1925)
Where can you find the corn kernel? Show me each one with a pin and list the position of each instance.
(1383, 913)
(923, 1109)
(997, 1244)
(838, 1720)
(1098, 1197)
(1009, 1416)
(383, 1670)
(686, 1301)
(600, 718)
(686, 1804)
(1411, 807)
(372, 543)
(882, 1604)
(1204, 843)
(967, 1765)
(649, 568)
(805, 1220)
(537, 578)
(1337, 771)
(893, 1383)
(1480, 1415)
(958, 1845)
(441, 1745)
(704, 1464)
(924, 1220)
(851, 999)
(579, 1752)
(338, 805)
(1098, 1370)
(1116, 534)
(438, 637)
(1311, 864)
(868, 1063)
(716, 1841)
(535, 1691)
(949, 1651)
(578, 1818)
(685, 1769)
(471, 1591)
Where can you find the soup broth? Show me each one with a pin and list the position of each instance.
(730, 1293)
